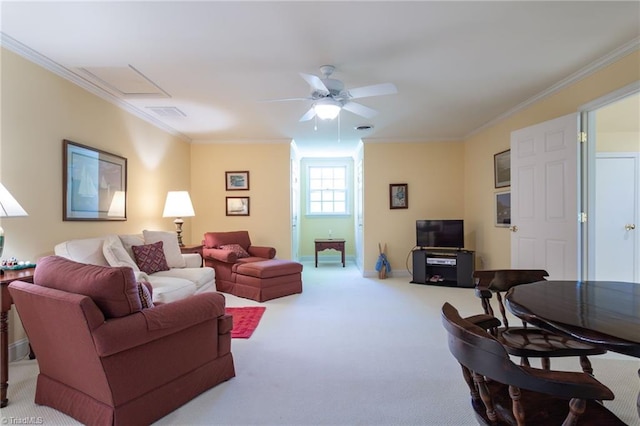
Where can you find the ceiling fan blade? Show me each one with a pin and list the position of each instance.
(315, 82)
(285, 99)
(360, 110)
(308, 115)
(373, 90)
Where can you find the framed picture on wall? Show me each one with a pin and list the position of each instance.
(237, 181)
(502, 169)
(398, 196)
(503, 209)
(237, 206)
(94, 184)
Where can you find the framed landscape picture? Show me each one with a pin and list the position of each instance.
(237, 181)
(94, 184)
(237, 206)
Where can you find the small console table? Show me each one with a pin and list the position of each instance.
(326, 244)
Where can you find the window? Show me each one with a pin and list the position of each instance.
(327, 190)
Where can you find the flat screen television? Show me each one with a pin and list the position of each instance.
(440, 233)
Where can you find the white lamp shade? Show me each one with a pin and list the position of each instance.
(9, 207)
(178, 204)
(327, 109)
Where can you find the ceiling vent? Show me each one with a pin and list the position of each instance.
(167, 111)
(364, 127)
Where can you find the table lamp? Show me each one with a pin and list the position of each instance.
(178, 205)
(9, 207)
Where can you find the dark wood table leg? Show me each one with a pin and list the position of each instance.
(342, 252)
(4, 351)
(316, 256)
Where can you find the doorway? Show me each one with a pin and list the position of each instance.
(613, 187)
(612, 129)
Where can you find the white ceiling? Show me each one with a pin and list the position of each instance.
(457, 65)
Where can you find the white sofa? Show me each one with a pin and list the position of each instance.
(184, 278)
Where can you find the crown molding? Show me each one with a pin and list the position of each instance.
(39, 59)
(590, 69)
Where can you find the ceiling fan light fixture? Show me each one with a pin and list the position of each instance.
(327, 109)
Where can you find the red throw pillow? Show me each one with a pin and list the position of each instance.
(150, 257)
(237, 249)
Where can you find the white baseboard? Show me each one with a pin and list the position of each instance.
(19, 350)
(372, 273)
(367, 273)
(328, 258)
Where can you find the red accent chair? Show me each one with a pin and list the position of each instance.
(258, 275)
(106, 360)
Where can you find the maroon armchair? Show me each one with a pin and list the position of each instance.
(225, 260)
(249, 271)
(104, 359)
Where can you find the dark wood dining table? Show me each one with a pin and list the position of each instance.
(603, 313)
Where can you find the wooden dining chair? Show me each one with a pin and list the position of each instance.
(527, 341)
(504, 393)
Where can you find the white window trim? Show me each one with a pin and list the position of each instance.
(329, 162)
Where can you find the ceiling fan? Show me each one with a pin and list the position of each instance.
(329, 96)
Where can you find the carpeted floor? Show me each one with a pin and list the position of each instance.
(245, 320)
(347, 351)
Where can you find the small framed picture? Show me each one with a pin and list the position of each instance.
(398, 196)
(237, 181)
(502, 169)
(237, 206)
(503, 209)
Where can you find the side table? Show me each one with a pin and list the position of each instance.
(193, 248)
(326, 244)
(7, 278)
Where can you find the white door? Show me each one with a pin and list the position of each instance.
(544, 197)
(616, 214)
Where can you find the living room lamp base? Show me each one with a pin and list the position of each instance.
(179, 223)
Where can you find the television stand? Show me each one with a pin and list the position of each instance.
(443, 266)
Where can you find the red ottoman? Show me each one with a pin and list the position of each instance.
(268, 279)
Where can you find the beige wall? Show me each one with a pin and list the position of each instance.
(493, 244)
(617, 126)
(618, 142)
(268, 222)
(39, 110)
(434, 172)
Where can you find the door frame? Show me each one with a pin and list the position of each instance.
(587, 173)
